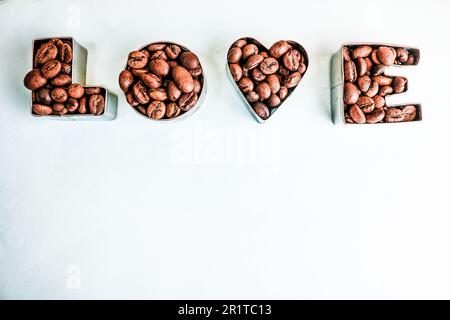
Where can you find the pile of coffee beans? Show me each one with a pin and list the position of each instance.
(266, 77)
(53, 92)
(162, 80)
(366, 85)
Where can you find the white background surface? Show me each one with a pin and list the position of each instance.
(219, 206)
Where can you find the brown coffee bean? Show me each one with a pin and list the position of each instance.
(137, 60)
(386, 90)
(234, 55)
(140, 93)
(383, 80)
(269, 65)
(196, 72)
(350, 73)
(407, 113)
(173, 93)
(386, 55)
(291, 60)
(374, 57)
(257, 75)
(71, 105)
(172, 110)
(34, 80)
(253, 61)
(375, 116)
(261, 110)
(61, 80)
(364, 83)
(263, 90)
(65, 53)
(159, 67)
(361, 52)
(274, 83)
(131, 100)
(402, 55)
(187, 101)
(156, 46)
(126, 79)
(245, 84)
(150, 80)
(252, 96)
(240, 43)
(51, 69)
(96, 104)
(75, 91)
(361, 66)
(279, 48)
(273, 101)
(42, 110)
(59, 95)
(351, 93)
(140, 72)
(411, 60)
(249, 50)
(158, 94)
(236, 71)
(346, 54)
(158, 55)
(183, 79)
(379, 101)
(369, 65)
(377, 69)
(399, 84)
(58, 107)
(66, 68)
(173, 51)
(190, 61)
(156, 110)
(82, 108)
(43, 96)
(356, 114)
(92, 90)
(46, 52)
(366, 104)
(373, 90)
(302, 68)
(283, 93)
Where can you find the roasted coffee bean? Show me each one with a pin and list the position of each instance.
(43, 96)
(83, 105)
(46, 52)
(158, 55)
(252, 96)
(42, 109)
(383, 80)
(158, 94)
(187, 101)
(361, 66)
(156, 46)
(34, 80)
(257, 75)
(399, 84)
(377, 69)
(356, 114)
(65, 53)
(173, 51)
(261, 110)
(253, 61)
(197, 86)
(375, 116)
(373, 89)
(140, 93)
(269, 65)
(137, 60)
(386, 55)
(172, 110)
(92, 90)
(66, 68)
(411, 60)
(96, 104)
(279, 48)
(366, 104)
(407, 113)
(150, 80)
(402, 55)
(126, 79)
(131, 100)
(293, 80)
(234, 55)
(369, 65)
(283, 93)
(351, 93)
(71, 105)
(59, 95)
(346, 54)
(240, 43)
(75, 91)
(51, 69)
(159, 67)
(173, 93)
(263, 90)
(274, 83)
(236, 71)
(291, 60)
(249, 50)
(183, 79)
(58, 107)
(273, 101)
(361, 52)
(301, 68)
(140, 72)
(196, 72)
(350, 73)
(386, 90)
(156, 110)
(364, 83)
(379, 101)
(190, 61)
(246, 85)
(61, 80)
